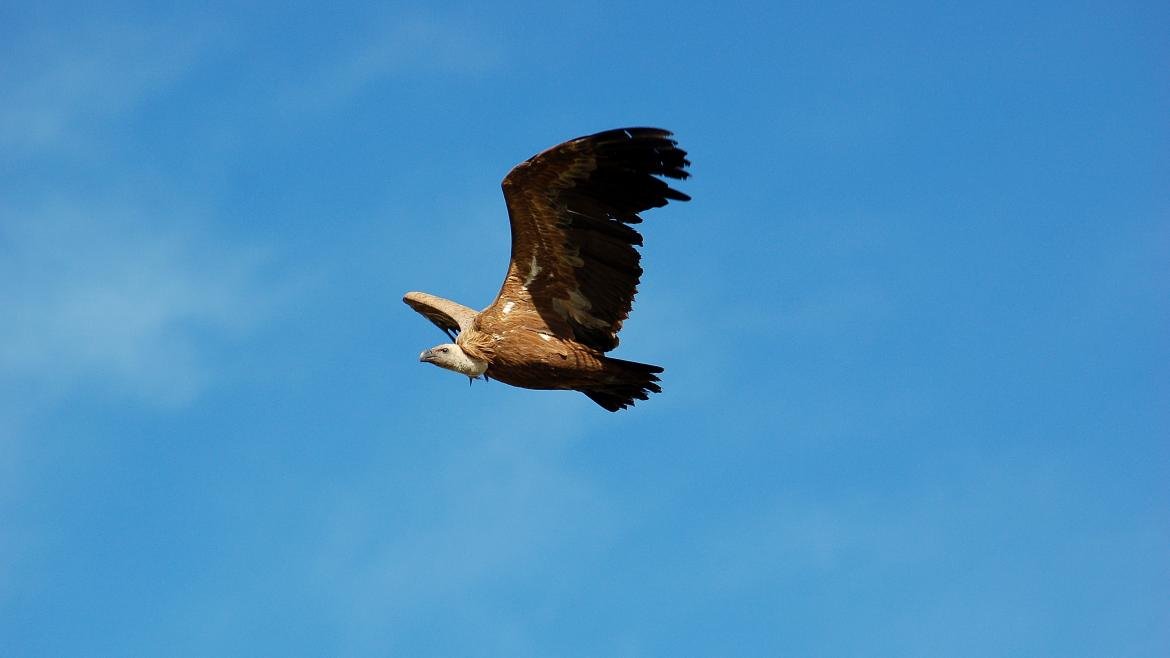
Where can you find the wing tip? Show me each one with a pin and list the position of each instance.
(413, 297)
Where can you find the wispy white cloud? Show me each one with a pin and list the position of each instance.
(101, 296)
(395, 47)
(506, 504)
(796, 535)
(98, 300)
(98, 292)
(95, 288)
(962, 551)
(58, 84)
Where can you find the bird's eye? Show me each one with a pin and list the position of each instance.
(444, 350)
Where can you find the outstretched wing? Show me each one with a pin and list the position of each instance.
(449, 316)
(574, 259)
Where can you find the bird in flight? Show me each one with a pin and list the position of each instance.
(573, 273)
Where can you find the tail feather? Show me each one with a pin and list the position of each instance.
(624, 382)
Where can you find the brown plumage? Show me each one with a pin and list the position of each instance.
(573, 273)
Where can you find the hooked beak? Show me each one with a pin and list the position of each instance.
(425, 357)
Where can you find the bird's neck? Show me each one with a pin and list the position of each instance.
(469, 365)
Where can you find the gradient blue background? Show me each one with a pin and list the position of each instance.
(917, 398)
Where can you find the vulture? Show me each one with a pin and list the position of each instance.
(573, 272)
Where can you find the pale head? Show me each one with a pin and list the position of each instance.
(453, 358)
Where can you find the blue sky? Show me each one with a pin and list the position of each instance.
(914, 325)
